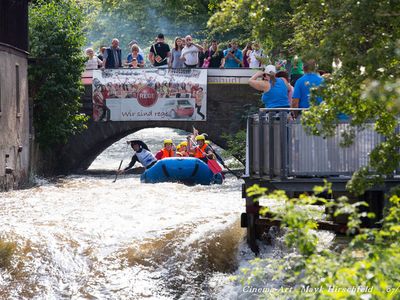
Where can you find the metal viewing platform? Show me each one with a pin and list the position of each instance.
(281, 155)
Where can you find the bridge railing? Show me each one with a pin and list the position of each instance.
(278, 147)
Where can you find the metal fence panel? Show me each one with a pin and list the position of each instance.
(316, 156)
(255, 147)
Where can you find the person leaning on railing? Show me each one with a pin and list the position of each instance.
(93, 62)
(160, 53)
(275, 90)
(134, 59)
(112, 56)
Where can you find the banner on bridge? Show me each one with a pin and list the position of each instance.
(149, 94)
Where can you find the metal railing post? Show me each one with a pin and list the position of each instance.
(271, 143)
(261, 121)
(284, 144)
(250, 146)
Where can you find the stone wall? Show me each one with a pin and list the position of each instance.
(14, 118)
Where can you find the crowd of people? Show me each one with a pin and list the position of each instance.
(187, 54)
(284, 83)
(280, 92)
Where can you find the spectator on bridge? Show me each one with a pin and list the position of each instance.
(296, 70)
(134, 59)
(135, 42)
(112, 56)
(233, 56)
(301, 94)
(101, 53)
(281, 62)
(142, 155)
(215, 56)
(176, 62)
(167, 150)
(256, 56)
(275, 90)
(160, 53)
(93, 61)
(190, 53)
(246, 53)
(202, 54)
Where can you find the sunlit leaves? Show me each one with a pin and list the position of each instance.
(367, 268)
(56, 40)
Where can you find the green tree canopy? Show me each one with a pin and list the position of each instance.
(56, 41)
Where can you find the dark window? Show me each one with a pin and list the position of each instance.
(183, 102)
(14, 23)
(17, 90)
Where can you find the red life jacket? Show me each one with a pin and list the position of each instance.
(200, 152)
(166, 153)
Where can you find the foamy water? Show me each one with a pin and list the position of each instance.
(84, 237)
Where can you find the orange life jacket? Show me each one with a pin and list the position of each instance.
(166, 153)
(200, 152)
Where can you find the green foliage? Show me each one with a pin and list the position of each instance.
(56, 41)
(236, 145)
(364, 43)
(247, 20)
(6, 252)
(142, 21)
(367, 268)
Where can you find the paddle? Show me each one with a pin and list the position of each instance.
(119, 168)
(212, 164)
(219, 158)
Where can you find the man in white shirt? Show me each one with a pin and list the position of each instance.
(190, 53)
(256, 57)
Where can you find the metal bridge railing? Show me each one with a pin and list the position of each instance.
(278, 147)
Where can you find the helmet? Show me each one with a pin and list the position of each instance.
(200, 138)
(208, 142)
(167, 141)
(183, 144)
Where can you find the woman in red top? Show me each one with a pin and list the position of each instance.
(167, 151)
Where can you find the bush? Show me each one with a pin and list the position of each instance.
(368, 268)
(56, 41)
(236, 145)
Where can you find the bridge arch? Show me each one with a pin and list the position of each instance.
(227, 106)
(83, 149)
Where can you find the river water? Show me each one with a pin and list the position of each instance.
(85, 237)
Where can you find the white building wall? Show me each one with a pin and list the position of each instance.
(14, 120)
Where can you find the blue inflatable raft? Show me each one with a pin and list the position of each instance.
(188, 170)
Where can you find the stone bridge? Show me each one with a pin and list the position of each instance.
(228, 103)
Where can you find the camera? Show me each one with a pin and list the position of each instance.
(232, 51)
(264, 76)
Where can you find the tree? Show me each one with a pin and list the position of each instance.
(362, 37)
(247, 20)
(142, 21)
(56, 41)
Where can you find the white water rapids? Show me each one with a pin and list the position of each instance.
(85, 237)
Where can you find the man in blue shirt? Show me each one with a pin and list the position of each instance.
(301, 94)
(233, 56)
